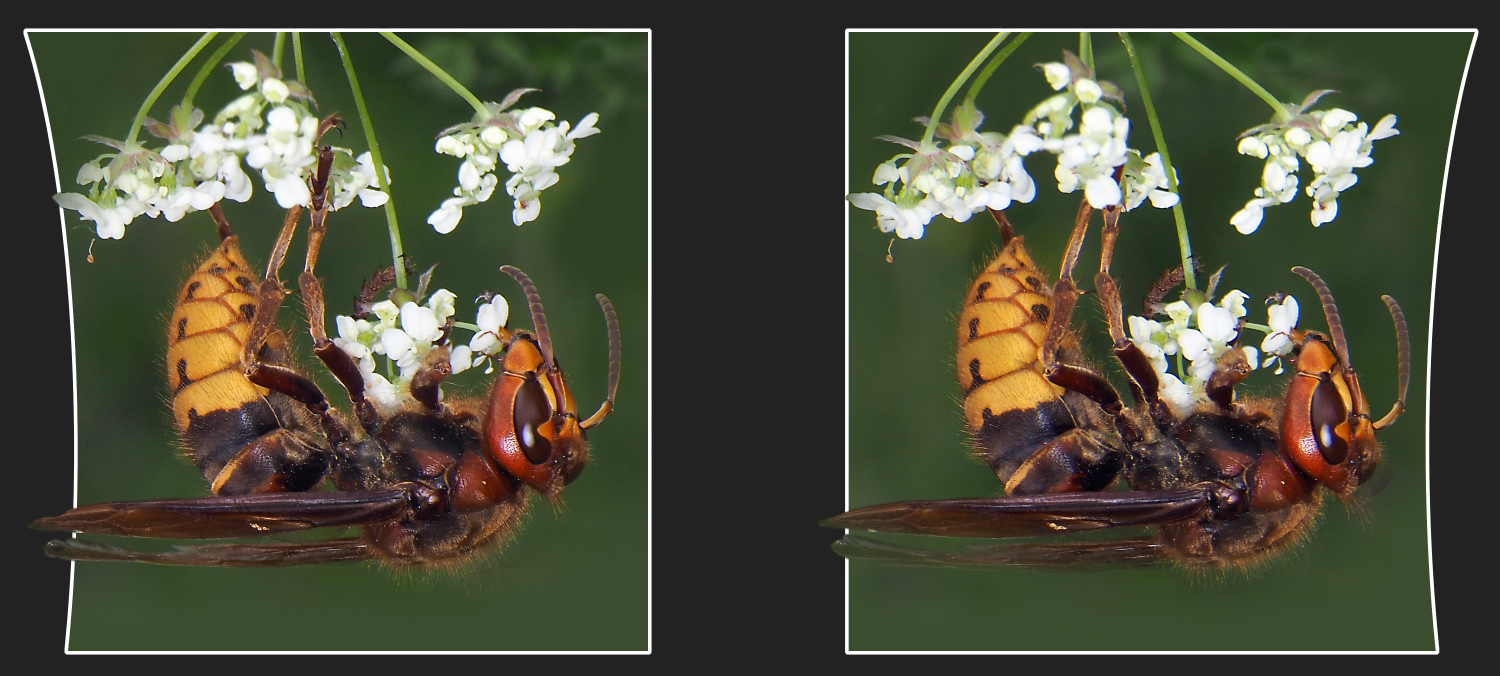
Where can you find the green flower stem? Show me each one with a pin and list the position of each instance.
(1086, 49)
(277, 49)
(1244, 79)
(187, 57)
(937, 113)
(437, 71)
(297, 56)
(990, 67)
(467, 326)
(1184, 246)
(208, 67)
(364, 121)
(1258, 327)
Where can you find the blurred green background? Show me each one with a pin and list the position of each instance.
(1356, 584)
(574, 580)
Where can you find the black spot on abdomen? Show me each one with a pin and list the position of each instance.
(182, 377)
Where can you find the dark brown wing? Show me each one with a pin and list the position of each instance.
(255, 555)
(1030, 515)
(231, 517)
(1128, 552)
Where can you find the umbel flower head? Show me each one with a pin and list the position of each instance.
(269, 129)
(407, 335)
(525, 140)
(965, 171)
(1333, 142)
(1202, 335)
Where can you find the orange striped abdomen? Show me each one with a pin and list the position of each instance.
(1010, 407)
(233, 429)
(1000, 334)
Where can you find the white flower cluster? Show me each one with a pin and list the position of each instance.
(1202, 335)
(1282, 318)
(1091, 157)
(285, 153)
(984, 170)
(191, 174)
(980, 171)
(407, 334)
(1331, 143)
(201, 165)
(525, 140)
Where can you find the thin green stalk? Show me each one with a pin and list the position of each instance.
(1184, 246)
(278, 48)
(1227, 67)
(187, 57)
(436, 70)
(937, 113)
(990, 67)
(1086, 49)
(364, 121)
(208, 67)
(297, 56)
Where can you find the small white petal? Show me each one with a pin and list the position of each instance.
(1142, 330)
(1057, 74)
(1216, 323)
(274, 90)
(1323, 212)
(244, 73)
(1276, 343)
(484, 343)
(585, 127)
(461, 358)
(1194, 344)
(1102, 191)
(442, 303)
(1282, 317)
(1179, 312)
(348, 328)
(493, 136)
(1251, 145)
(419, 322)
(291, 191)
(283, 119)
(493, 315)
(1335, 119)
(526, 211)
(375, 198)
(1087, 90)
(396, 342)
(1234, 302)
(1247, 219)
(446, 218)
(1385, 128)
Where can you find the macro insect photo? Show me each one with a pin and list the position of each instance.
(576, 226)
(1360, 573)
